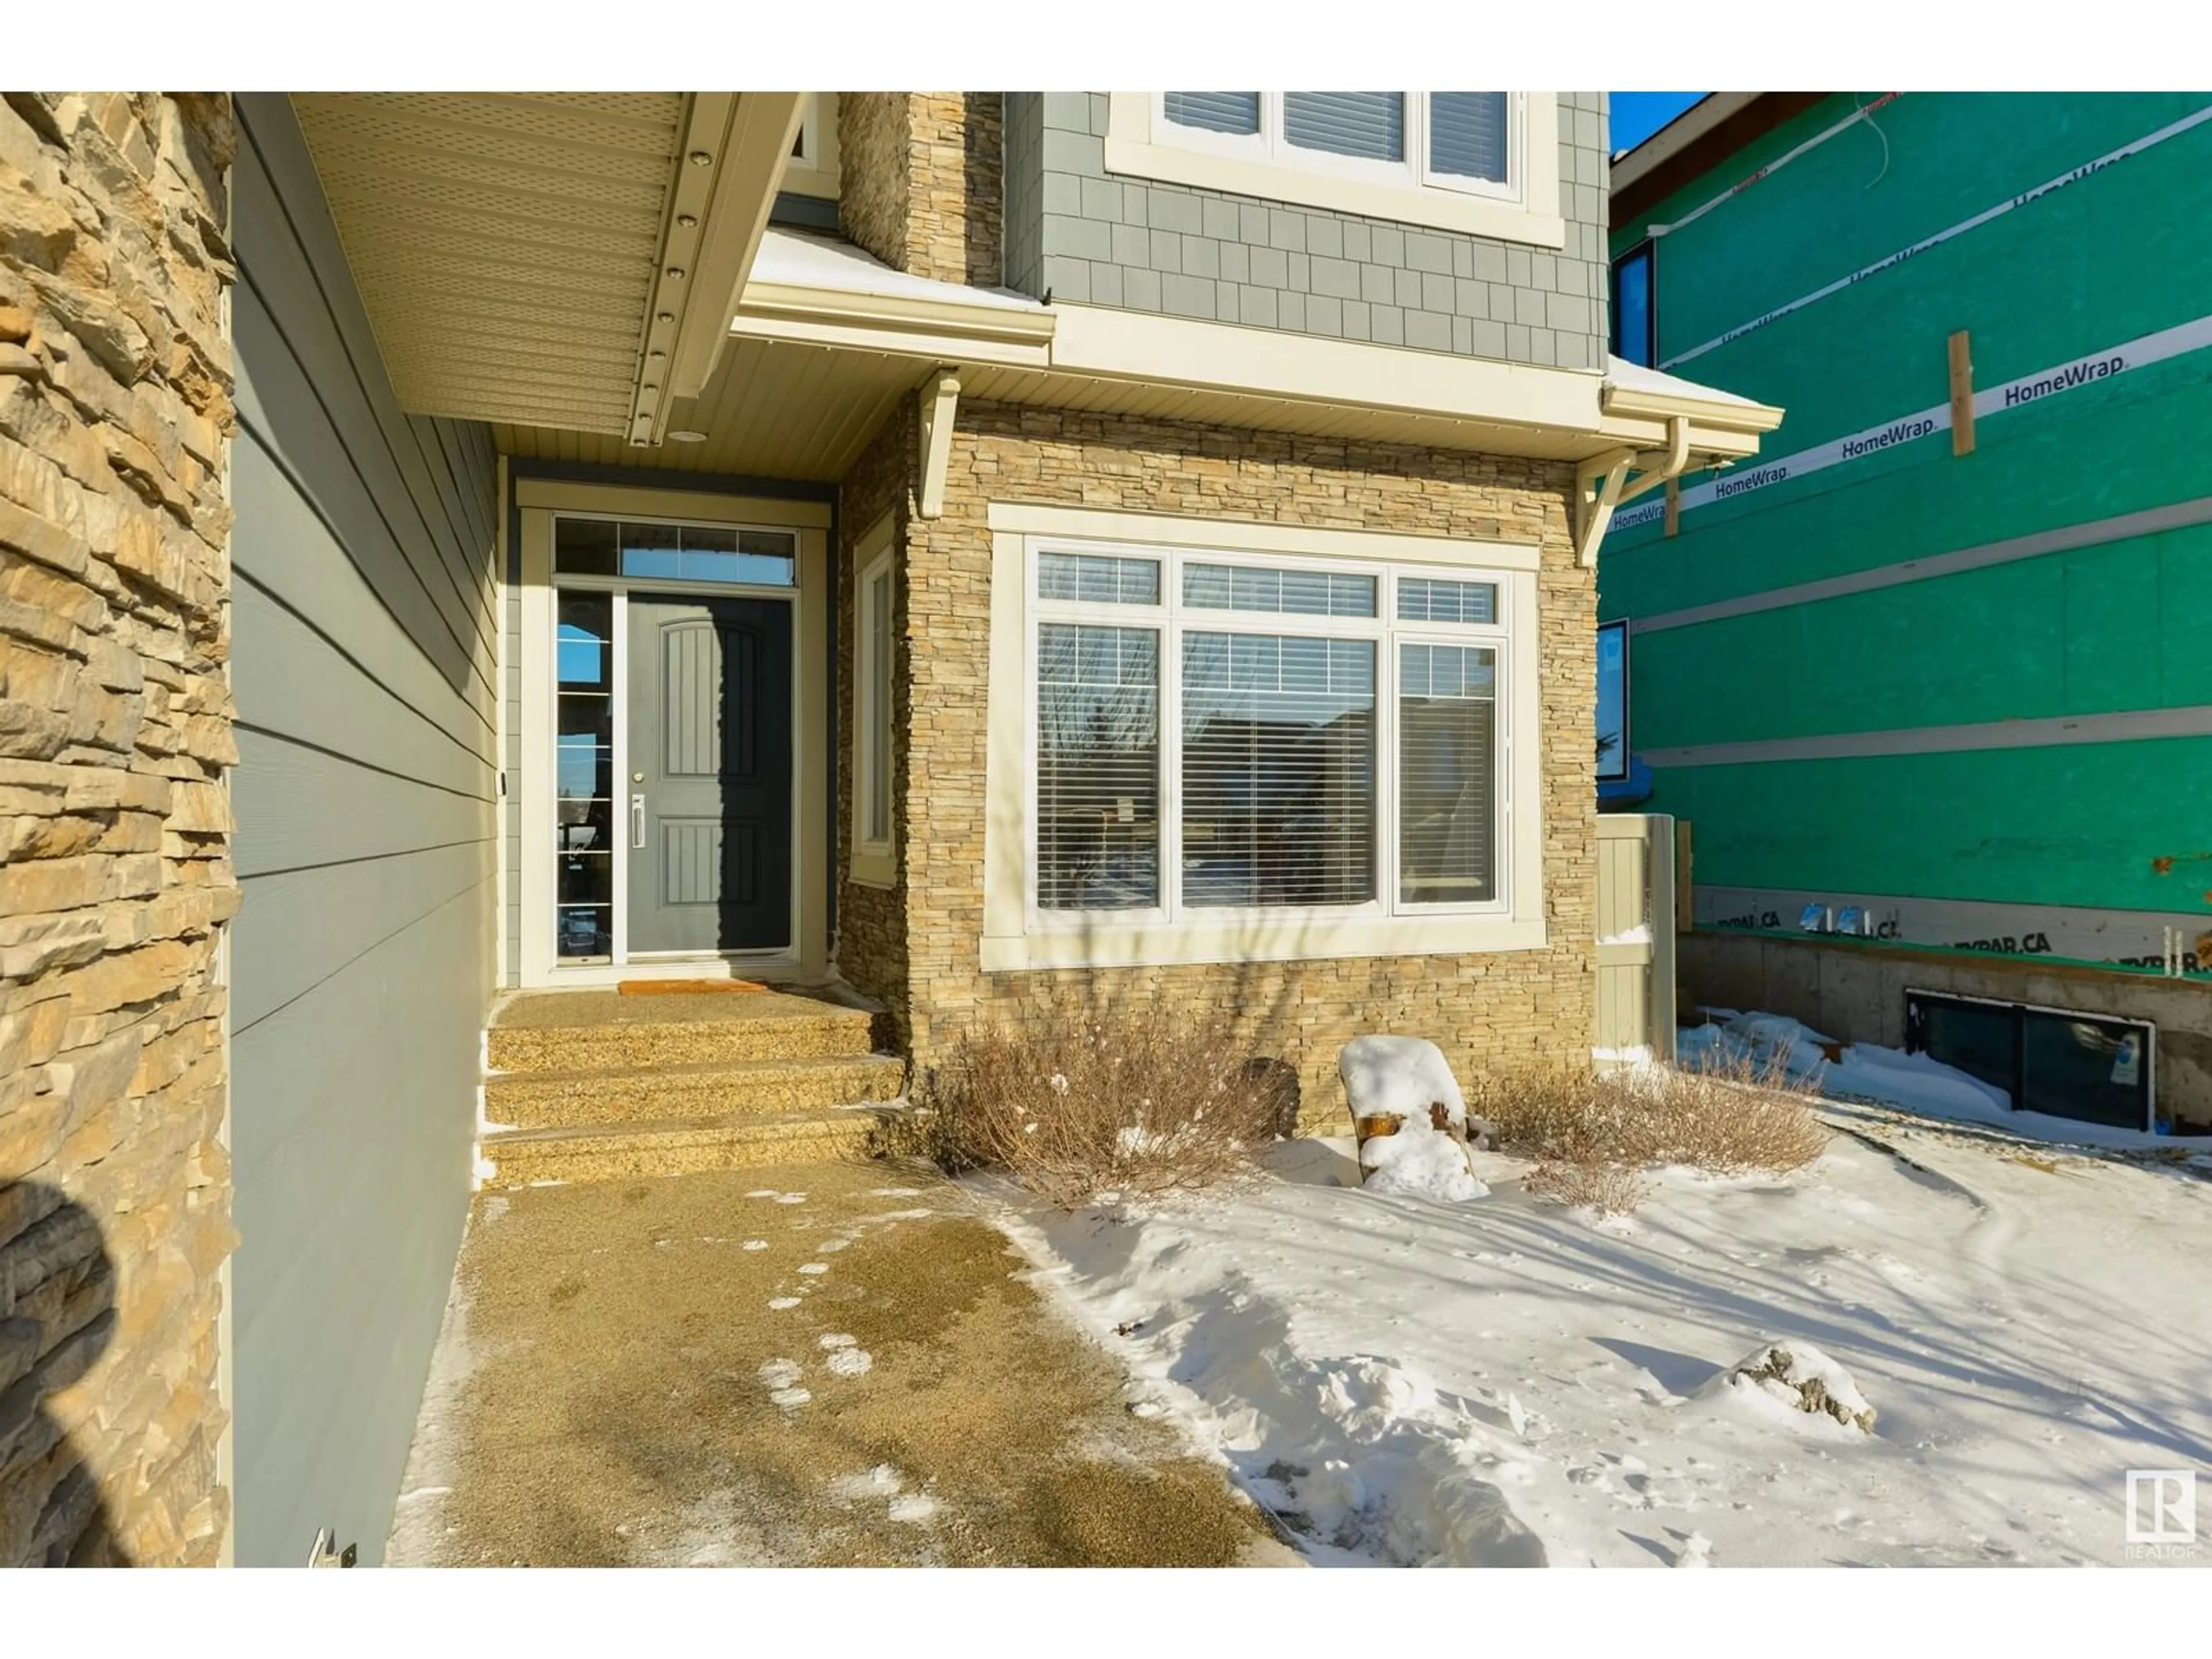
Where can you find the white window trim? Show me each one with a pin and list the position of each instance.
(874, 862)
(1140, 142)
(1017, 935)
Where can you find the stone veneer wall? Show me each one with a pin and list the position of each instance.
(115, 730)
(1486, 1009)
(920, 178)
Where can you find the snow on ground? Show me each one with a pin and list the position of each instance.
(1889, 1077)
(1407, 1381)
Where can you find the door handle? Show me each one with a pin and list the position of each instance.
(637, 822)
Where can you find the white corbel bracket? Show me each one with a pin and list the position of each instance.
(1601, 484)
(939, 397)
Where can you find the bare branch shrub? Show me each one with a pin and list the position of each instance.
(1587, 1131)
(1608, 1188)
(1076, 1098)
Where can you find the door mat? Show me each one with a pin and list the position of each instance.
(661, 988)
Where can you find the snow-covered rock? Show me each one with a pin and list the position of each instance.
(1798, 1375)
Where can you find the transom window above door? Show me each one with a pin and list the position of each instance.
(645, 550)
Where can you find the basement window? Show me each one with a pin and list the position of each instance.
(2057, 1061)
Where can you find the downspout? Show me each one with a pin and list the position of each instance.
(1601, 484)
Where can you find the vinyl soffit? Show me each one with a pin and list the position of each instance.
(543, 224)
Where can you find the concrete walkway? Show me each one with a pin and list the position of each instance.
(826, 1364)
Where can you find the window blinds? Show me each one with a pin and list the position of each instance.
(1368, 124)
(1215, 112)
(1278, 796)
(1467, 135)
(1099, 768)
(1447, 774)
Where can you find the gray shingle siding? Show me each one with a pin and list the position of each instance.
(1023, 193)
(1086, 235)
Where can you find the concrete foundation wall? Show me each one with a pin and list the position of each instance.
(1856, 993)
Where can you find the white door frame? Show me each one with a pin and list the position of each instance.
(532, 794)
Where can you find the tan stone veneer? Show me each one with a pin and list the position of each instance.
(917, 946)
(921, 177)
(115, 729)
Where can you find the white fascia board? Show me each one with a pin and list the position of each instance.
(1733, 415)
(1100, 343)
(750, 136)
(1089, 344)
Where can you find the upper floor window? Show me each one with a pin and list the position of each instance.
(1472, 163)
(1635, 307)
(1466, 141)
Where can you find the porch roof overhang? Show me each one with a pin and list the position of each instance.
(568, 260)
(825, 339)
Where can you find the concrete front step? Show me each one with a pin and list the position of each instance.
(601, 1030)
(700, 1089)
(522, 1158)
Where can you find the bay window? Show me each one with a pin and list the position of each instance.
(1218, 734)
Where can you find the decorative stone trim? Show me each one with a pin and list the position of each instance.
(921, 179)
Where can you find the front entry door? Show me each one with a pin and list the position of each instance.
(710, 789)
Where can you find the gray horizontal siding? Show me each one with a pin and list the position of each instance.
(364, 626)
(1081, 234)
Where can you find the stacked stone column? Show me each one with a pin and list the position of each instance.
(115, 734)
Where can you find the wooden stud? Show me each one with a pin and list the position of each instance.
(1685, 909)
(1962, 395)
(1673, 506)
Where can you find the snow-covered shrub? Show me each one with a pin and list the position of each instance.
(1589, 1131)
(1406, 1080)
(1076, 1097)
(1420, 1161)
